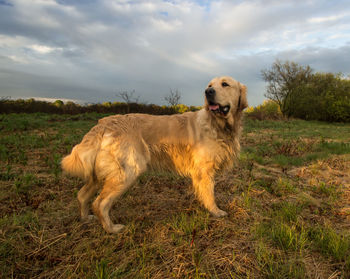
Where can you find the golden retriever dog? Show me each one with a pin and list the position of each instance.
(196, 144)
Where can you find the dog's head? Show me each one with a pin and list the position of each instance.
(225, 97)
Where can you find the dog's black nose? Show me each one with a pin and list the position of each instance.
(210, 92)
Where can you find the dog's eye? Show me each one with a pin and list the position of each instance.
(209, 85)
(224, 84)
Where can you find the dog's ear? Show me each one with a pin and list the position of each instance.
(242, 101)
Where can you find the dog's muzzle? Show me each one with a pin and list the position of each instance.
(213, 106)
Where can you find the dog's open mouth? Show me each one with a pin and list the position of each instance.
(216, 108)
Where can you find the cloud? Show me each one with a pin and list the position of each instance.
(91, 49)
(326, 19)
(44, 49)
(322, 59)
(5, 3)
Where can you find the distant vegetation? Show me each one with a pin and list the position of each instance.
(300, 93)
(59, 107)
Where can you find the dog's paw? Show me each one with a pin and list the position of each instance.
(219, 213)
(89, 218)
(116, 228)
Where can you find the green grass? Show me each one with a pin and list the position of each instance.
(186, 224)
(7, 174)
(327, 190)
(292, 129)
(331, 243)
(25, 183)
(291, 175)
(102, 270)
(334, 147)
(275, 265)
(184, 227)
(294, 143)
(283, 228)
(287, 236)
(287, 211)
(277, 187)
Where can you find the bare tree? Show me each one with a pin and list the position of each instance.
(173, 98)
(128, 97)
(283, 80)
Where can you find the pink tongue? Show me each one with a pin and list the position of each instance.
(214, 107)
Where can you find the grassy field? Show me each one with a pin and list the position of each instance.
(288, 201)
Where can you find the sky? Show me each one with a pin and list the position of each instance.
(90, 50)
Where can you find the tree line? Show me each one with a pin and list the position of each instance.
(59, 107)
(302, 93)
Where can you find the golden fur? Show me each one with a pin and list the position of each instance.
(196, 144)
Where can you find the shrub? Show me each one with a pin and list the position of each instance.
(325, 97)
(267, 110)
(303, 94)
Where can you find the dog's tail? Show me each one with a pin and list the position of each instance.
(81, 161)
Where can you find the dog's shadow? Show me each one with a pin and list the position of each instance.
(155, 197)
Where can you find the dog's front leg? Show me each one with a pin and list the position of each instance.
(203, 183)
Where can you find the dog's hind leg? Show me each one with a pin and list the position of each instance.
(123, 174)
(84, 196)
(203, 184)
(112, 189)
